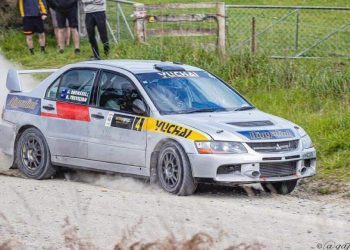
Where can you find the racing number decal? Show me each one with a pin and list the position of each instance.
(138, 123)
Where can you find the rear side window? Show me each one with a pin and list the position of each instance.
(76, 86)
(73, 86)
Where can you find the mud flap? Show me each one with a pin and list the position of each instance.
(7, 141)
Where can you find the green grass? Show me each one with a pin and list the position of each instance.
(263, 2)
(312, 93)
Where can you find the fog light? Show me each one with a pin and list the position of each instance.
(229, 169)
(307, 163)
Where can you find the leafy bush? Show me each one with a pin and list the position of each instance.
(9, 14)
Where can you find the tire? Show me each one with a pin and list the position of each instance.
(33, 155)
(283, 187)
(174, 170)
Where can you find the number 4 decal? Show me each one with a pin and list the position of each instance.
(138, 123)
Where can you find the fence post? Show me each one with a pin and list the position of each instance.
(81, 20)
(118, 21)
(297, 32)
(221, 17)
(254, 41)
(139, 23)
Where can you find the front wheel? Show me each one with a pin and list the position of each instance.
(33, 155)
(283, 187)
(174, 170)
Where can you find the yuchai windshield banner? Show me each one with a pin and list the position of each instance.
(268, 134)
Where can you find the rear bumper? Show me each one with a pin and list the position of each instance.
(251, 167)
(7, 141)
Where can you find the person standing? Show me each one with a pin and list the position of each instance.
(66, 10)
(95, 11)
(33, 12)
(55, 28)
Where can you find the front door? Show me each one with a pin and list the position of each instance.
(117, 134)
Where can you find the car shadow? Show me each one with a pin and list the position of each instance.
(231, 191)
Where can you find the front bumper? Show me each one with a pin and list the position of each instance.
(248, 166)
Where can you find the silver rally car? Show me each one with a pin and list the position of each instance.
(175, 124)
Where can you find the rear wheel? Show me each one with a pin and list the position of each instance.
(33, 155)
(174, 170)
(283, 187)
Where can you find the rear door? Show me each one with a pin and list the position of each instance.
(117, 134)
(66, 113)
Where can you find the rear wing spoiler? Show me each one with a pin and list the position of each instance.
(13, 83)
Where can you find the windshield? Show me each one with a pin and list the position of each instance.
(175, 92)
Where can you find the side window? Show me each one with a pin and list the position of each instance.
(51, 92)
(116, 92)
(76, 86)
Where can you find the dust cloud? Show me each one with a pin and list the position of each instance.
(112, 181)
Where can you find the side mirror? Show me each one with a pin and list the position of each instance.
(139, 107)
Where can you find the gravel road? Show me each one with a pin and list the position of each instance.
(102, 209)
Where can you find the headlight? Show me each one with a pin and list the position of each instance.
(220, 147)
(306, 142)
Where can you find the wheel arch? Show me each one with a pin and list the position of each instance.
(155, 154)
(20, 131)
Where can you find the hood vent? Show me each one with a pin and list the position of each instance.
(252, 123)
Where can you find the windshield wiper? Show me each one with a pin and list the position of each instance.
(202, 110)
(244, 108)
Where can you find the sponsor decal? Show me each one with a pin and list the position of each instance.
(70, 111)
(24, 104)
(160, 126)
(172, 129)
(268, 134)
(178, 74)
(138, 123)
(75, 95)
(125, 122)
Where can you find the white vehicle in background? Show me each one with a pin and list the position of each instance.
(173, 123)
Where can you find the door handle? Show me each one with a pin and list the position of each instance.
(49, 107)
(98, 116)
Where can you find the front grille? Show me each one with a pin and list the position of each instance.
(278, 169)
(273, 147)
(252, 124)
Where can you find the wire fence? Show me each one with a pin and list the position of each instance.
(289, 31)
(278, 31)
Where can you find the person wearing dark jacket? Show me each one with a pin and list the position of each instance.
(66, 10)
(95, 11)
(33, 12)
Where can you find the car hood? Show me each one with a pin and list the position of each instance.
(244, 126)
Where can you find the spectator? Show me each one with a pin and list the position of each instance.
(66, 10)
(55, 27)
(95, 11)
(34, 12)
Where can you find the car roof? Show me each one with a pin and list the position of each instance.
(141, 66)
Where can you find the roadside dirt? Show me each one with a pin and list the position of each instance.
(102, 209)
(105, 208)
